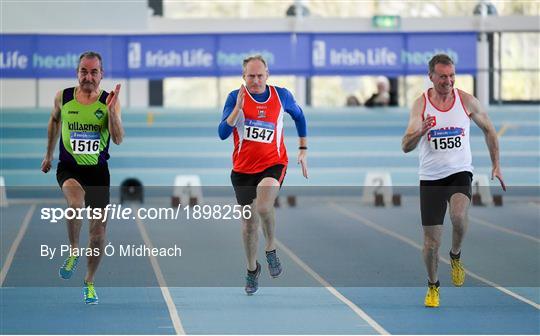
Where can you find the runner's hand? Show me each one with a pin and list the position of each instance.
(496, 172)
(302, 160)
(46, 164)
(240, 98)
(112, 99)
(428, 123)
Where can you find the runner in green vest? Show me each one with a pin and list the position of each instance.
(86, 118)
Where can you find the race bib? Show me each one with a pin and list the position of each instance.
(445, 140)
(84, 142)
(259, 131)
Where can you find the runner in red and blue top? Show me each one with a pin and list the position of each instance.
(254, 115)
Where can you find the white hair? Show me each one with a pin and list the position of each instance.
(383, 80)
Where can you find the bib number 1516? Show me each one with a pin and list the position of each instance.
(80, 146)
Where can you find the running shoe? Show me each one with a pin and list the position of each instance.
(432, 297)
(69, 266)
(458, 273)
(274, 265)
(252, 281)
(89, 292)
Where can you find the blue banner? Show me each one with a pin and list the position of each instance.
(357, 53)
(420, 47)
(390, 54)
(57, 56)
(153, 56)
(284, 53)
(16, 54)
(160, 56)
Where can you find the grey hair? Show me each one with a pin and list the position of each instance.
(253, 58)
(439, 59)
(91, 54)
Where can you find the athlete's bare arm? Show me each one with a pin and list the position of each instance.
(115, 118)
(53, 131)
(417, 127)
(480, 117)
(231, 119)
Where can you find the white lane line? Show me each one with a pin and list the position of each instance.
(332, 290)
(15, 244)
(412, 243)
(173, 313)
(503, 229)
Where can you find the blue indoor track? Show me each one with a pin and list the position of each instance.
(349, 267)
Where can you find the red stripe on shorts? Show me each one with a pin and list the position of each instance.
(282, 174)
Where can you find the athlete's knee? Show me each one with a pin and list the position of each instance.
(458, 218)
(97, 235)
(249, 230)
(265, 211)
(75, 202)
(97, 239)
(431, 244)
(431, 248)
(249, 226)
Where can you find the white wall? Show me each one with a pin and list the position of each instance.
(138, 93)
(31, 93)
(18, 93)
(74, 16)
(47, 89)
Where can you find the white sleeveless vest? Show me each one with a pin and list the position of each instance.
(445, 149)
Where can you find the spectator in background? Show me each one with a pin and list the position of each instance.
(352, 101)
(382, 97)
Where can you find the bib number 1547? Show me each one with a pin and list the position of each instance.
(259, 134)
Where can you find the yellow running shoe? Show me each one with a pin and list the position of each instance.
(458, 273)
(432, 297)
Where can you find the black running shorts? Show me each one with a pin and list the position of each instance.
(435, 195)
(245, 185)
(95, 181)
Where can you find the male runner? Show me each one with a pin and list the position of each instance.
(86, 118)
(439, 124)
(254, 114)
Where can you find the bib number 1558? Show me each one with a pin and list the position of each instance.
(446, 143)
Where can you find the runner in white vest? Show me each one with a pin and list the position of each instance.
(439, 124)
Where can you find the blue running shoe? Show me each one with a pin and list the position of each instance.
(274, 265)
(252, 281)
(90, 296)
(69, 266)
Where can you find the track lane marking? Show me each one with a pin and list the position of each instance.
(417, 246)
